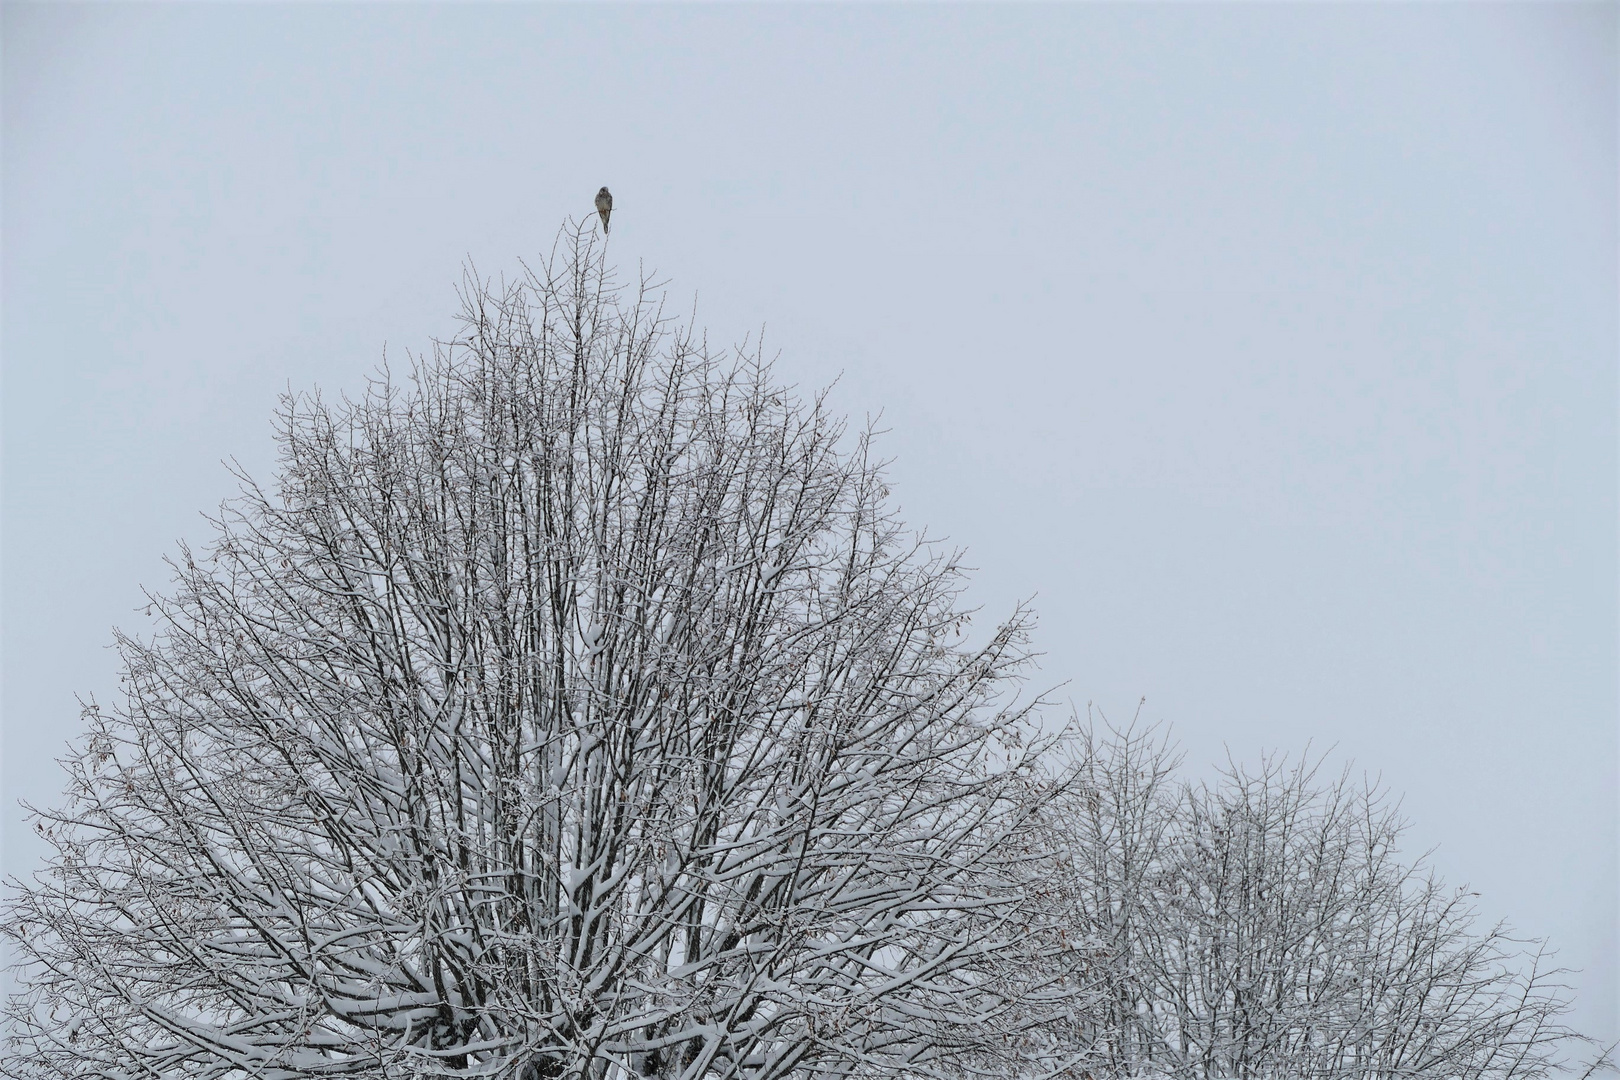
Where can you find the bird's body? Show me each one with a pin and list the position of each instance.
(604, 206)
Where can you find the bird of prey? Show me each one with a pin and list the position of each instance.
(604, 206)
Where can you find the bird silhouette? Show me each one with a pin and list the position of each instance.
(604, 206)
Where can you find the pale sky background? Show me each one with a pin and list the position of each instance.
(1271, 348)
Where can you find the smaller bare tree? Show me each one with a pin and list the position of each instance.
(1265, 925)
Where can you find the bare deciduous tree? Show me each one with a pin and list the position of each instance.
(576, 709)
(1265, 926)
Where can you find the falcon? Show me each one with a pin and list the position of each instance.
(604, 206)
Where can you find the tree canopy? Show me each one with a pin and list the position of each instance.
(575, 705)
(1263, 923)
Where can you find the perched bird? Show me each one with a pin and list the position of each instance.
(604, 206)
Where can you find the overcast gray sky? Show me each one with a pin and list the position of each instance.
(1272, 348)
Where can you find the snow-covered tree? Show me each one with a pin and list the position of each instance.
(573, 708)
(1264, 925)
